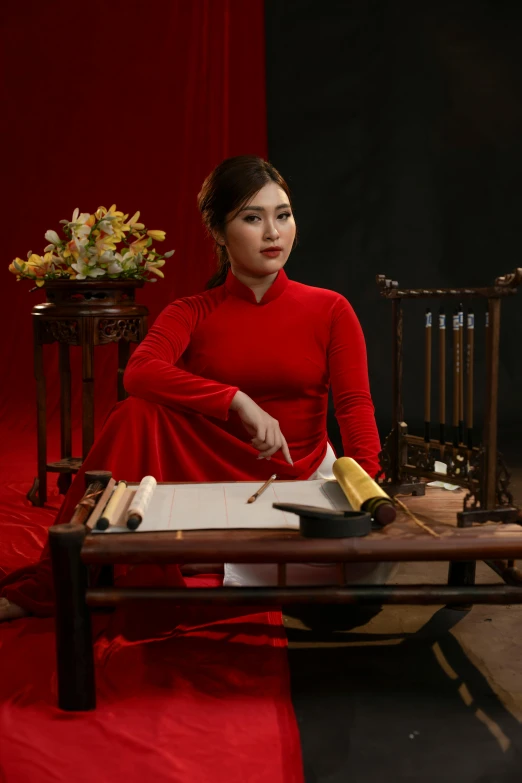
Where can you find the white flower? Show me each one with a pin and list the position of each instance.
(81, 247)
(85, 271)
(114, 268)
(53, 237)
(78, 224)
(105, 226)
(127, 261)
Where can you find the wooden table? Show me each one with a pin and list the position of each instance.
(73, 553)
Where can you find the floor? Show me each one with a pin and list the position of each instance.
(415, 694)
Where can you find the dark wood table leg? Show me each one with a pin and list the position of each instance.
(87, 384)
(39, 497)
(65, 479)
(462, 574)
(74, 652)
(123, 358)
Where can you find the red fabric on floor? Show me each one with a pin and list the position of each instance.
(206, 701)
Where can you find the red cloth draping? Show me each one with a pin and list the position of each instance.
(131, 103)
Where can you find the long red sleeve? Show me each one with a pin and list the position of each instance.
(354, 409)
(152, 373)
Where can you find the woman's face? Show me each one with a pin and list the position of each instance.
(266, 222)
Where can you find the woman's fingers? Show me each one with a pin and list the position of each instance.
(286, 451)
(269, 452)
(269, 439)
(265, 442)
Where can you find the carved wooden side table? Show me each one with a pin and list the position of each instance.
(86, 314)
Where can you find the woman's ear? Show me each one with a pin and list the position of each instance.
(218, 238)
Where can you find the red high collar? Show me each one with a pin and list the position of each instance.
(237, 288)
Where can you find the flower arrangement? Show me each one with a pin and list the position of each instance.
(103, 245)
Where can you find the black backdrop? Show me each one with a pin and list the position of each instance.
(398, 126)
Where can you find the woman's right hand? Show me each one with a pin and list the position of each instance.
(267, 437)
(9, 611)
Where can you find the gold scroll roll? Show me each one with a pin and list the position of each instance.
(362, 492)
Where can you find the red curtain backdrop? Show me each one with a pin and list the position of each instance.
(130, 102)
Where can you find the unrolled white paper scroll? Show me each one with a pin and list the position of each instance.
(215, 506)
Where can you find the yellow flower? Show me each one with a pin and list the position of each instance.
(133, 224)
(156, 235)
(153, 266)
(71, 249)
(119, 230)
(139, 246)
(112, 211)
(18, 266)
(38, 266)
(35, 260)
(105, 242)
(112, 224)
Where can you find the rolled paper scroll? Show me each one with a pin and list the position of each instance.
(140, 502)
(108, 515)
(100, 505)
(362, 492)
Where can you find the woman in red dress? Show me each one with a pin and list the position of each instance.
(232, 384)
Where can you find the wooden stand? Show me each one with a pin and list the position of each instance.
(406, 459)
(85, 314)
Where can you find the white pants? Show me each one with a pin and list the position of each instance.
(261, 574)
